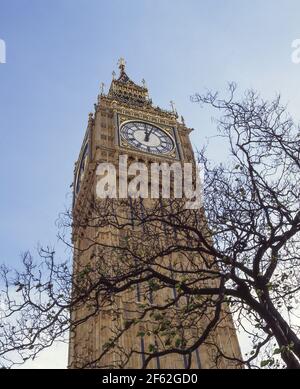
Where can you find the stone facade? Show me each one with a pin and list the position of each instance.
(127, 101)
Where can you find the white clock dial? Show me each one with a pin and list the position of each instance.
(147, 137)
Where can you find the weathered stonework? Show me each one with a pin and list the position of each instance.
(102, 144)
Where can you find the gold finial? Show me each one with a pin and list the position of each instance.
(113, 75)
(102, 85)
(122, 64)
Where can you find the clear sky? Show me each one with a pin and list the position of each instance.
(58, 52)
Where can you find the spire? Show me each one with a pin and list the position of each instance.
(174, 110)
(122, 64)
(127, 92)
(102, 86)
(172, 104)
(123, 76)
(123, 88)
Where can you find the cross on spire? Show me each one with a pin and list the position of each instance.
(122, 64)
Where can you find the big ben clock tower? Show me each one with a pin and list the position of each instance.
(119, 325)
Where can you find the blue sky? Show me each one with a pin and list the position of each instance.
(58, 52)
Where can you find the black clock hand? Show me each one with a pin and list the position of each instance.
(147, 134)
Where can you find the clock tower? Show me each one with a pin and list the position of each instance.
(106, 332)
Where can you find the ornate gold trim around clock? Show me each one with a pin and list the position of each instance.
(150, 119)
(164, 128)
(125, 118)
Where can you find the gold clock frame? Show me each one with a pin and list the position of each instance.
(166, 129)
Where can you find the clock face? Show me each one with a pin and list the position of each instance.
(147, 137)
(81, 170)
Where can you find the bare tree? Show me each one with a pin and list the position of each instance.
(240, 255)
